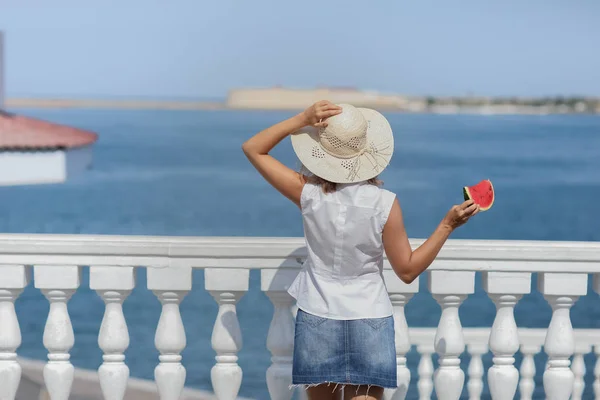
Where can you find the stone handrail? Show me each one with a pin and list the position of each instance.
(506, 267)
(156, 251)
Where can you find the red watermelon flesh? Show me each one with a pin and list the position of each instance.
(482, 194)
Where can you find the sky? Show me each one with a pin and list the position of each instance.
(202, 49)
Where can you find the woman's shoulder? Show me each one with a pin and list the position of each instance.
(387, 198)
(309, 192)
(376, 191)
(384, 205)
(374, 196)
(388, 194)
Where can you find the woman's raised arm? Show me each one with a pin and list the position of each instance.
(287, 181)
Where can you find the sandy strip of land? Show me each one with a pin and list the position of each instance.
(113, 104)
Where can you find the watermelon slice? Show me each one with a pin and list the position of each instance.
(482, 194)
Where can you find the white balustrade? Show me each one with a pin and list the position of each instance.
(505, 289)
(170, 285)
(476, 340)
(113, 284)
(475, 370)
(226, 286)
(562, 270)
(527, 383)
(450, 288)
(561, 290)
(400, 294)
(13, 279)
(280, 339)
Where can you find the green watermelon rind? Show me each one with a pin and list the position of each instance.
(466, 193)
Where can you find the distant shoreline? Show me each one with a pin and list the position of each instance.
(439, 106)
(113, 104)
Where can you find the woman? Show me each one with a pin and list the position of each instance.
(344, 327)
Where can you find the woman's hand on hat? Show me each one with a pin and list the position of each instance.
(460, 214)
(317, 114)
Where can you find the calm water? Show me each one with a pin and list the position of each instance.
(182, 173)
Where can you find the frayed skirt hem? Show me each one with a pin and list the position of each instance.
(342, 383)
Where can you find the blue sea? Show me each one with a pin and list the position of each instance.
(183, 173)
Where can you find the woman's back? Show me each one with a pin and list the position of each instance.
(342, 274)
(343, 229)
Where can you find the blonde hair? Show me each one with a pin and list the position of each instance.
(328, 186)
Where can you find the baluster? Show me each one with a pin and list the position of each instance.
(280, 339)
(226, 286)
(58, 283)
(425, 369)
(561, 290)
(596, 385)
(113, 285)
(170, 285)
(400, 293)
(13, 279)
(578, 368)
(475, 382)
(597, 372)
(527, 370)
(505, 289)
(450, 288)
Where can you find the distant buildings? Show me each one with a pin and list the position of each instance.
(34, 151)
(280, 98)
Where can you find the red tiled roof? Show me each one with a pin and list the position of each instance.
(17, 132)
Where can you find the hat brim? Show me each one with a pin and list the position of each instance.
(344, 170)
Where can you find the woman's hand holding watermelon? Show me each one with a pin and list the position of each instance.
(460, 214)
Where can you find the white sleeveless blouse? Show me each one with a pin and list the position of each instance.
(342, 275)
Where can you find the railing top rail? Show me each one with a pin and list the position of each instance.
(262, 252)
(425, 336)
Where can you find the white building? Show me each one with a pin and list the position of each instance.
(34, 151)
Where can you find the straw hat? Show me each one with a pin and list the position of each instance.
(356, 145)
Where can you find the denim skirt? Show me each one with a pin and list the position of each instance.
(344, 352)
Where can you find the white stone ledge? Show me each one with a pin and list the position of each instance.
(248, 252)
(527, 336)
